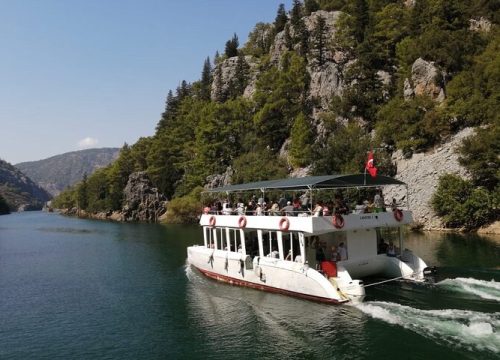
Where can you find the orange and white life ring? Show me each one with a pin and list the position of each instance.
(242, 222)
(398, 214)
(338, 221)
(212, 221)
(284, 224)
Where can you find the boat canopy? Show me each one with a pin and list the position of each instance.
(313, 183)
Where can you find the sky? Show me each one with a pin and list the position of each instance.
(78, 74)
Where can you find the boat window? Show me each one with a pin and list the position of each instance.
(291, 246)
(386, 236)
(270, 243)
(251, 243)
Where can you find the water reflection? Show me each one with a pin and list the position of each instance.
(276, 323)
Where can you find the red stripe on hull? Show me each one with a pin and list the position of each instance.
(233, 281)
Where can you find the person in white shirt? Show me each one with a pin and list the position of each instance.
(342, 252)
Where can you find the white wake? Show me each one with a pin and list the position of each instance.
(469, 329)
(489, 290)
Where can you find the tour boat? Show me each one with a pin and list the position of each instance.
(282, 254)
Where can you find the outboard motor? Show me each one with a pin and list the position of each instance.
(429, 270)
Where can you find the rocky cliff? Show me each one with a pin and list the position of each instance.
(421, 172)
(142, 202)
(58, 172)
(19, 191)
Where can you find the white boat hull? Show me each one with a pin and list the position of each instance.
(270, 274)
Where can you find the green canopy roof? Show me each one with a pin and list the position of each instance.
(313, 183)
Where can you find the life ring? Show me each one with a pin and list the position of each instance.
(338, 221)
(284, 224)
(242, 222)
(212, 221)
(398, 215)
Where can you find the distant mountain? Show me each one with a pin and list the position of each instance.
(19, 191)
(56, 173)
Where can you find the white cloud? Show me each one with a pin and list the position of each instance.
(87, 143)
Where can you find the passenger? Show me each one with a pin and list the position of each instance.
(334, 256)
(368, 206)
(342, 252)
(274, 254)
(250, 208)
(326, 210)
(341, 206)
(382, 247)
(288, 209)
(282, 201)
(274, 209)
(240, 249)
(258, 210)
(298, 259)
(360, 207)
(320, 253)
(391, 249)
(304, 201)
(378, 202)
(240, 208)
(296, 206)
(394, 205)
(318, 209)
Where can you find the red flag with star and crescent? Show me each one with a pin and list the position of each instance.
(370, 165)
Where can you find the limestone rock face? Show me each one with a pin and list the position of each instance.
(331, 17)
(421, 172)
(218, 180)
(226, 71)
(482, 25)
(142, 201)
(326, 82)
(427, 80)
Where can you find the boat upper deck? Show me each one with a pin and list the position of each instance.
(310, 224)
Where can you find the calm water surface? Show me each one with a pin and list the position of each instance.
(81, 289)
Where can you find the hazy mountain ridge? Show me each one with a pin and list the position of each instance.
(56, 173)
(19, 191)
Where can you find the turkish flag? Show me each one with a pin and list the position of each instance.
(370, 165)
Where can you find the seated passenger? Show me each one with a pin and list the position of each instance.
(342, 252)
(382, 247)
(288, 209)
(391, 249)
(240, 208)
(360, 207)
(274, 209)
(334, 255)
(298, 259)
(318, 209)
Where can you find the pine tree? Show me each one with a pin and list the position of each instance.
(361, 19)
(206, 80)
(319, 39)
(310, 6)
(220, 95)
(301, 142)
(240, 80)
(82, 194)
(281, 19)
(296, 13)
(216, 58)
(288, 38)
(302, 37)
(170, 110)
(232, 46)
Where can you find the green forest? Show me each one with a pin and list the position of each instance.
(204, 132)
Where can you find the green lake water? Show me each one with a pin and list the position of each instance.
(82, 289)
